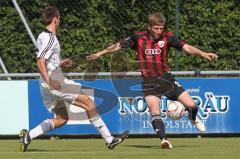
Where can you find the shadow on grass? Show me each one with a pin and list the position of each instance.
(154, 146)
(44, 150)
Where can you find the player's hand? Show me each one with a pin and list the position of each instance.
(55, 85)
(67, 63)
(210, 56)
(93, 56)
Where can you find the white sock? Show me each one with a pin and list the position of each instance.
(42, 128)
(99, 124)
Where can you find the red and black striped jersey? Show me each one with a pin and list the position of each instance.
(152, 53)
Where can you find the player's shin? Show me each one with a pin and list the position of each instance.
(99, 124)
(158, 126)
(192, 113)
(42, 128)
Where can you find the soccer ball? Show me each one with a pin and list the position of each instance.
(175, 110)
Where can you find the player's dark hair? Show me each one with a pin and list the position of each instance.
(48, 14)
(156, 19)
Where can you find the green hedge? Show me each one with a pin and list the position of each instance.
(90, 25)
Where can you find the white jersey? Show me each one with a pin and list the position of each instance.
(48, 48)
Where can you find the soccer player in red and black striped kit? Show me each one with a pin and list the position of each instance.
(152, 47)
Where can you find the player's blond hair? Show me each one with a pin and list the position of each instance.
(156, 19)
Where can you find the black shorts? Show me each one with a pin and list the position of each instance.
(164, 85)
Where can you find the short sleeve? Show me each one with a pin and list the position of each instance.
(44, 46)
(130, 42)
(175, 42)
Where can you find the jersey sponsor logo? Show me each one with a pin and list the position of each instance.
(161, 44)
(152, 51)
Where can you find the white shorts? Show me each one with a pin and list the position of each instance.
(59, 98)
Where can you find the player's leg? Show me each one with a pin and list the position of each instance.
(189, 103)
(153, 104)
(178, 93)
(61, 117)
(88, 104)
(72, 93)
(192, 109)
(49, 124)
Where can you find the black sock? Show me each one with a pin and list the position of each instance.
(192, 113)
(158, 126)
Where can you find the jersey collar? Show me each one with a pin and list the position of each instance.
(47, 31)
(152, 37)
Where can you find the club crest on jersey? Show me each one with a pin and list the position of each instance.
(161, 44)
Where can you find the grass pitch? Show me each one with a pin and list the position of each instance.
(147, 148)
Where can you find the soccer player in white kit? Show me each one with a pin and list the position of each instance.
(57, 91)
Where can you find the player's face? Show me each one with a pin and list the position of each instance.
(156, 30)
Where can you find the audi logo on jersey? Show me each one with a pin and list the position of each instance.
(152, 51)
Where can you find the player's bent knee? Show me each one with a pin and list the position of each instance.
(86, 103)
(154, 110)
(191, 105)
(90, 104)
(58, 122)
(63, 121)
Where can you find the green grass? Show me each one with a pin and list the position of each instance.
(184, 148)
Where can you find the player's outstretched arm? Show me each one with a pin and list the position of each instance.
(196, 52)
(113, 48)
